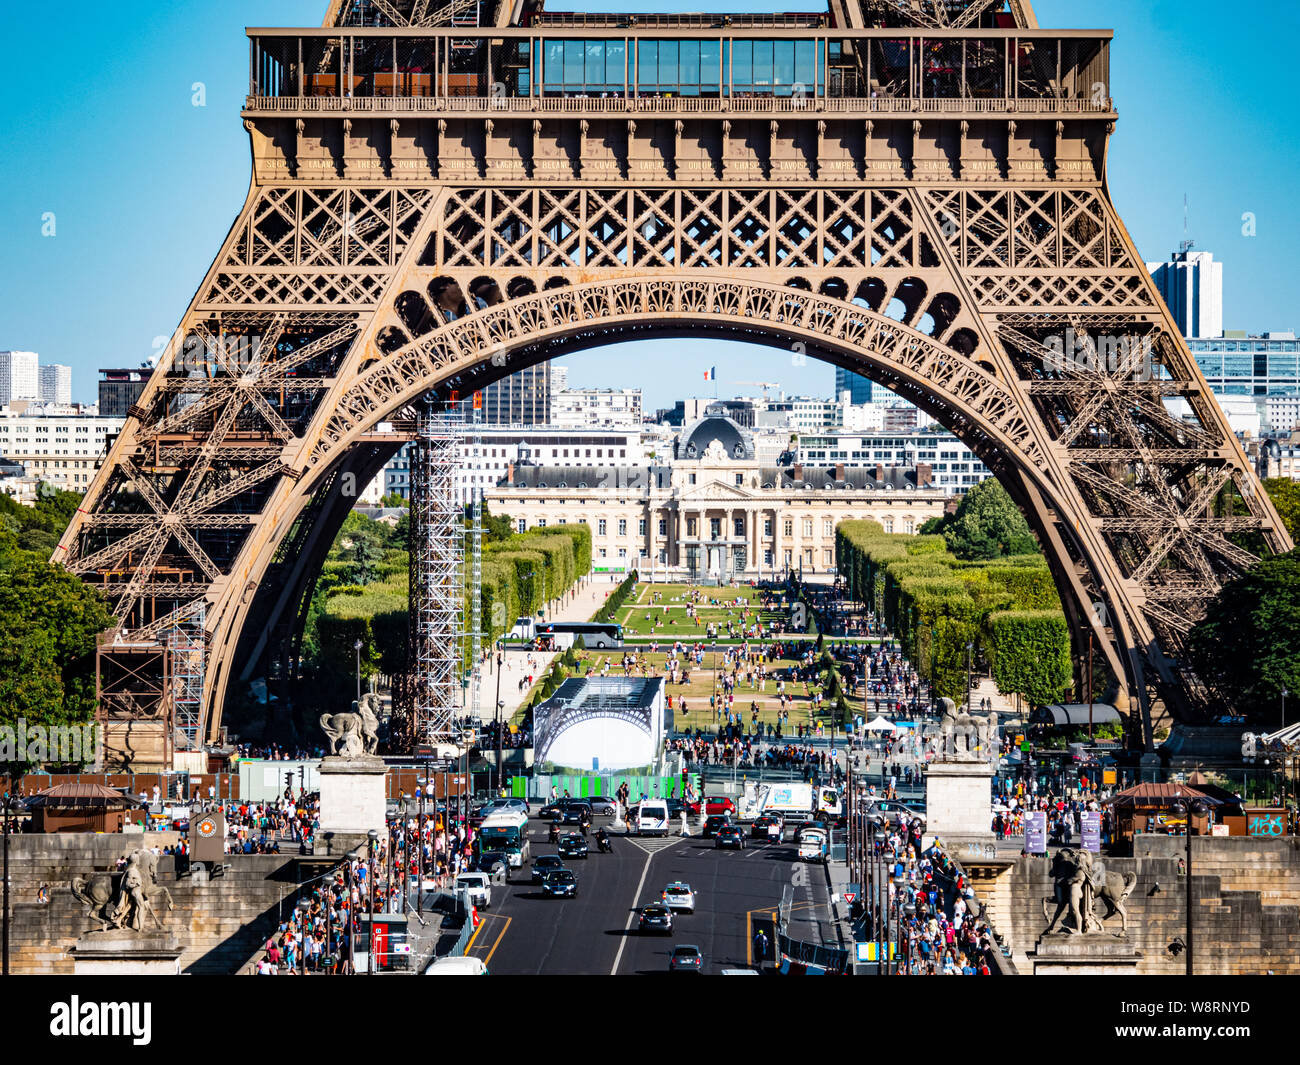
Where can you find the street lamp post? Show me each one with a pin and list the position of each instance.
(8, 807)
(357, 647)
(370, 888)
(496, 731)
(1284, 695)
(1189, 810)
(304, 905)
(970, 651)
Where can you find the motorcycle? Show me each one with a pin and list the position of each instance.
(603, 843)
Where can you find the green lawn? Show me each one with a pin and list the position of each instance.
(673, 623)
(697, 691)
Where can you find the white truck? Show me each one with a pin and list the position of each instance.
(792, 801)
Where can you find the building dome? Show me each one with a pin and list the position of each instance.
(714, 428)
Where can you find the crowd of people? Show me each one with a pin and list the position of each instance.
(425, 851)
(931, 913)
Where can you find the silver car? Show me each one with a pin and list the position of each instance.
(679, 896)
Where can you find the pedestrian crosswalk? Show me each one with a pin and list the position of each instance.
(654, 844)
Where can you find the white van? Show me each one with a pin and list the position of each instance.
(479, 886)
(812, 846)
(462, 966)
(652, 818)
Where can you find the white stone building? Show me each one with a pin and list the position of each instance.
(61, 449)
(713, 509)
(591, 408)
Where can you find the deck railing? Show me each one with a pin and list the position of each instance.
(675, 105)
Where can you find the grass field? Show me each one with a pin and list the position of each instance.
(674, 624)
(697, 691)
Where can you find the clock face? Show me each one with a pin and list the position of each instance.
(207, 828)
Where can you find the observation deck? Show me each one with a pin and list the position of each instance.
(595, 69)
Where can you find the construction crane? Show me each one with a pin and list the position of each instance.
(764, 385)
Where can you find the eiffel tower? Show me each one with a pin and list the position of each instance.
(443, 194)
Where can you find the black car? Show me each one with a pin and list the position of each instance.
(730, 836)
(686, 959)
(675, 808)
(561, 884)
(487, 862)
(559, 810)
(655, 919)
(573, 846)
(714, 823)
(577, 813)
(544, 865)
(765, 828)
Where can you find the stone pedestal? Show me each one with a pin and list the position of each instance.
(1095, 954)
(352, 802)
(122, 952)
(959, 805)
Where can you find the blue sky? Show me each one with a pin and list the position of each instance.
(100, 130)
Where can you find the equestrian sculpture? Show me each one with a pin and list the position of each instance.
(122, 899)
(1081, 879)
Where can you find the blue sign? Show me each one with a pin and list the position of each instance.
(1036, 832)
(1090, 823)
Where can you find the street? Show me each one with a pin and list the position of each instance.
(525, 932)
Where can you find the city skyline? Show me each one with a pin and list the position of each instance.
(135, 260)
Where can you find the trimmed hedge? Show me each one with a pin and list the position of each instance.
(616, 599)
(1030, 654)
(937, 604)
(377, 613)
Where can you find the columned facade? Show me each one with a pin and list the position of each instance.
(714, 513)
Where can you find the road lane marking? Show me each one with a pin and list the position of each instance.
(497, 942)
(636, 896)
(470, 945)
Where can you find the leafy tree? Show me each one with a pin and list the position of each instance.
(392, 500)
(495, 527)
(988, 524)
(361, 541)
(932, 525)
(401, 534)
(48, 623)
(38, 528)
(1285, 494)
(1246, 646)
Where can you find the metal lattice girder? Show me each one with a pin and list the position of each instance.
(391, 248)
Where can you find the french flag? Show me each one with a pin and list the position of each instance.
(711, 374)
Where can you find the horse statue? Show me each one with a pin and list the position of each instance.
(1080, 880)
(967, 731)
(123, 899)
(354, 735)
(959, 732)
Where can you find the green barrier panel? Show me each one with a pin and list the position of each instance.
(519, 787)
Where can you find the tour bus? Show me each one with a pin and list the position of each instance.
(595, 634)
(652, 818)
(506, 830)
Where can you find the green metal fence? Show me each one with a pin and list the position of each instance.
(594, 785)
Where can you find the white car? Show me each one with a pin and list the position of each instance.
(679, 896)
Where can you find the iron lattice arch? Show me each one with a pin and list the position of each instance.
(962, 252)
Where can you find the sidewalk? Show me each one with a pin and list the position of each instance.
(579, 605)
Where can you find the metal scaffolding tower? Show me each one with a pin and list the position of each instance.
(437, 555)
(187, 648)
(474, 441)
